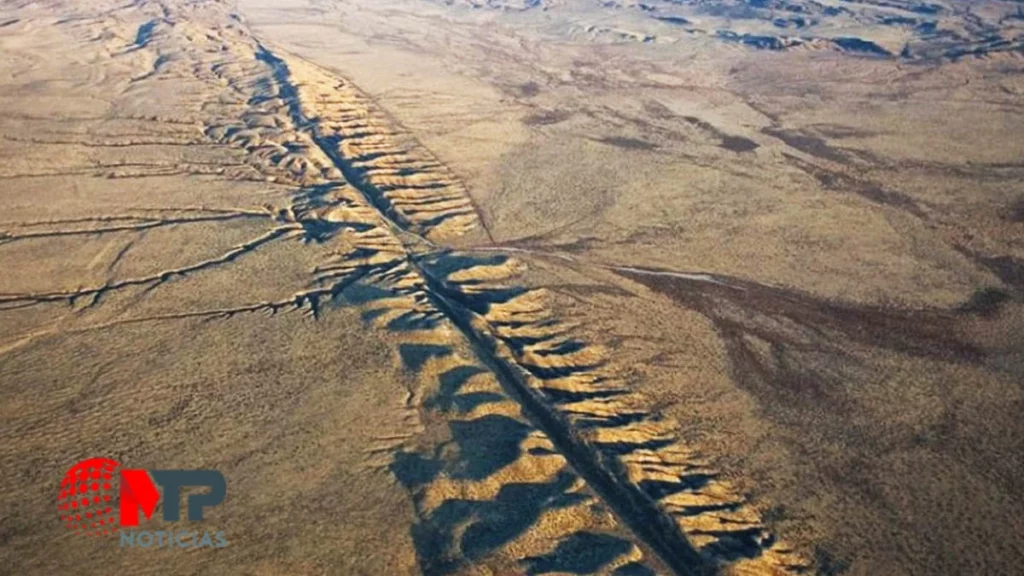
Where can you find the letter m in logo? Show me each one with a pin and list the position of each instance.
(137, 493)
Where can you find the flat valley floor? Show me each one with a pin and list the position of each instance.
(502, 287)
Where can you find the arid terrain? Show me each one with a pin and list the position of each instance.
(503, 287)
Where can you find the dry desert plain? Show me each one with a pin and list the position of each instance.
(502, 287)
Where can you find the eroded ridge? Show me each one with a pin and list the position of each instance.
(490, 490)
(317, 128)
(668, 491)
(415, 188)
(298, 125)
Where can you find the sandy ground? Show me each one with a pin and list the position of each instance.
(497, 287)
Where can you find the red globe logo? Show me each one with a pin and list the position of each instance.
(86, 501)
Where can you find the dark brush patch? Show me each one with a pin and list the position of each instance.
(807, 144)
(880, 195)
(986, 302)
(1016, 212)
(701, 124)
(897, 20)
(739, 144)
(547, 117)
(578, 246)
(861, 46)
(1007, 268)
(791, 22)
(753, 40)
(658, 110)
(528, 89)
(829, 565)
(593, 290)
(628, 143)
(677, 20)
(727, 141)
(875, 193)
(838, 131)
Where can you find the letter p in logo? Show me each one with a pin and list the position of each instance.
(173, 480)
